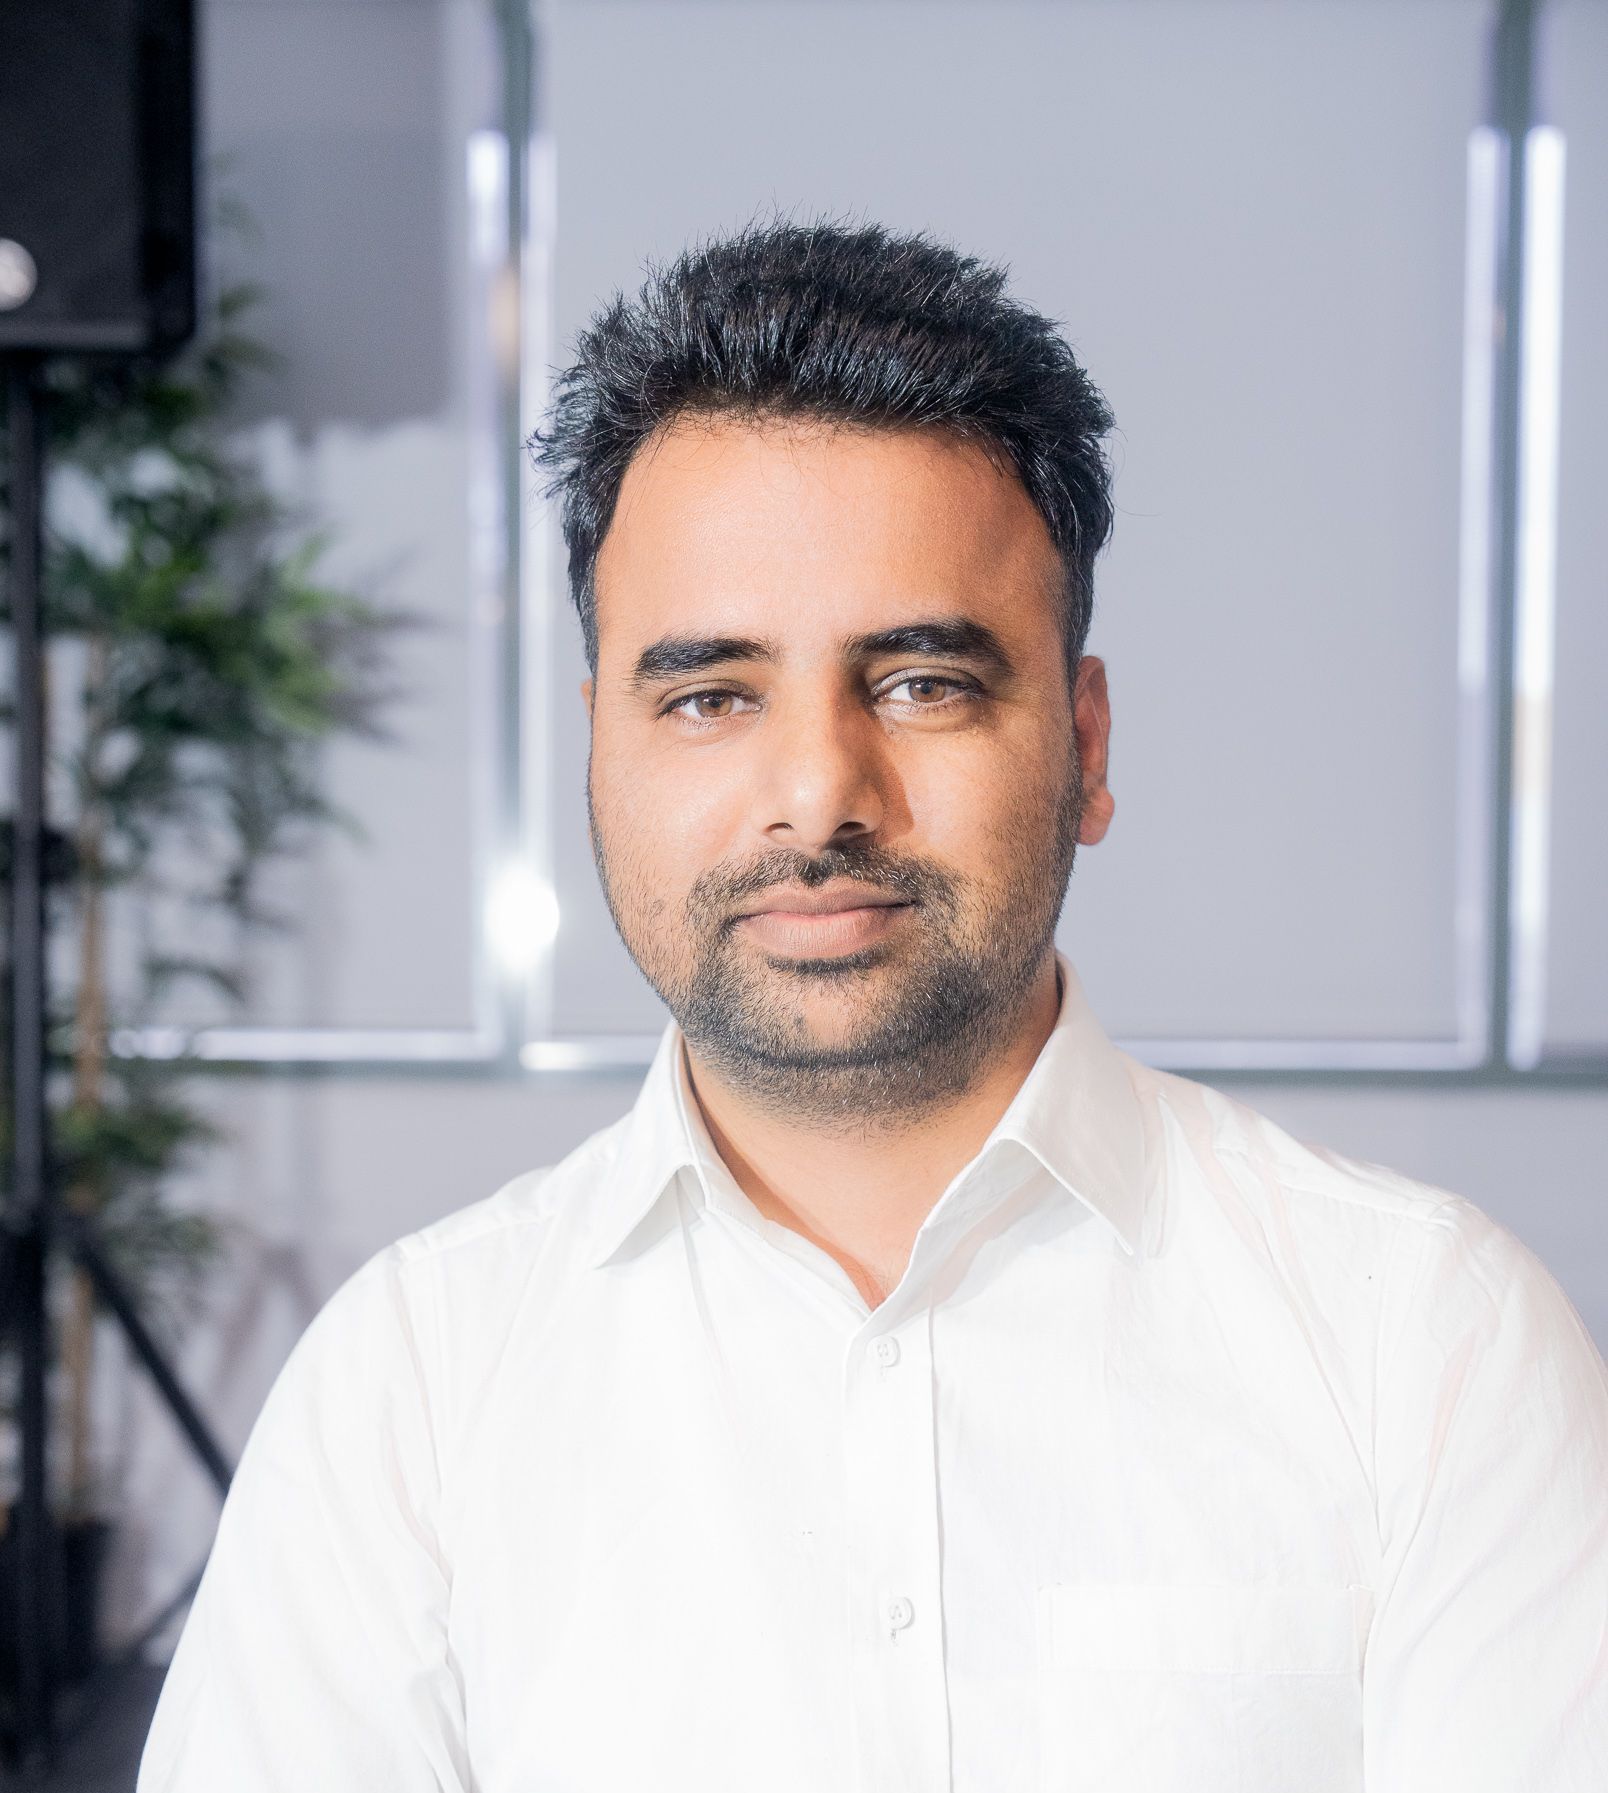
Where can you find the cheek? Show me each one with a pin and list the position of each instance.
(976, 807)
(667, 815)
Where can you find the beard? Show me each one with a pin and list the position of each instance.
(921, 1017)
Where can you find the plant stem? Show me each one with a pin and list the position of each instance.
(89, 1061)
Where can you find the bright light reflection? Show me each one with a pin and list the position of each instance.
(1474, 580)
(521, 917)
(1540, 355)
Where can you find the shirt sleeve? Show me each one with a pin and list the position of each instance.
(315, 1656)
(1487, 1663)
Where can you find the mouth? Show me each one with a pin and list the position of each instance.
(823, 923)
(830, 899)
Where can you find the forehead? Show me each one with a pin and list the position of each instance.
(801, 529)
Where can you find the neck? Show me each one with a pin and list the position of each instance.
(862, 1197)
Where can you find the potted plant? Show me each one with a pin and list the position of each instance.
(207, 665)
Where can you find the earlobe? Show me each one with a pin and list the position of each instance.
(586, 695)
(1092, 709)
(1097, 812)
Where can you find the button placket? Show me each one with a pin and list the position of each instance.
(900, 1694)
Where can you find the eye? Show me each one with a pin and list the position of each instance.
(931, 690)
(706, 706)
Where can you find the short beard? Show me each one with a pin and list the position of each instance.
(942, 1025)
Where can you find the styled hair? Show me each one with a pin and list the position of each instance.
(848, 324)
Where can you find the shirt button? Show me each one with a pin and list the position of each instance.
(900, 1613)
(887, 1351)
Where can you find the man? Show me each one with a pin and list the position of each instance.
(912, 1391)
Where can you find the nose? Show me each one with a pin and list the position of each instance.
(821, 776)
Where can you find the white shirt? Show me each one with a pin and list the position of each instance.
(1184, 1458)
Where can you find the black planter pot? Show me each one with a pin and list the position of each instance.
(86, 1546)
(77, 1555)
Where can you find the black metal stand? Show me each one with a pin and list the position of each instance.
(32, 1224)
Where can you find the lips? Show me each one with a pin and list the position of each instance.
(831, 923)
(825, 901)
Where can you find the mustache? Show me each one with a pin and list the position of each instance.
(918, 881)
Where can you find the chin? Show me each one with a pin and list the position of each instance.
(836, 1009)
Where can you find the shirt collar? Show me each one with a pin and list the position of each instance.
(1077, 1113)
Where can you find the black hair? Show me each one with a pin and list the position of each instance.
(850, 324)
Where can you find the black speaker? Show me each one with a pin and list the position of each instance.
(97, 175)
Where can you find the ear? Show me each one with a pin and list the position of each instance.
(586, 695)
(1091, 718)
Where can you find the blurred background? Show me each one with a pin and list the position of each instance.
(1339, 267)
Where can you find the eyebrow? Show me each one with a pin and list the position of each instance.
(953, 637)
(950, 637)
(674, 656)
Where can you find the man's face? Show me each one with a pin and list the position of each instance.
(837, 778)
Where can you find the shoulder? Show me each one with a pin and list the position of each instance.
(1216, 1138)
(537, 1210)
(1378, 1267)
(474, 1263)
(1323, 1223)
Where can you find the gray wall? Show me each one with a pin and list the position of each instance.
(1250, 217)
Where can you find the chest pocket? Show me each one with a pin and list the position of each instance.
(1174, 1688)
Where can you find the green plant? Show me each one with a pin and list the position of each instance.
(209, 665)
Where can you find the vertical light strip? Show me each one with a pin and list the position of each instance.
(539, 603)
(1534, 587)
(1476, 743)
(486, 195)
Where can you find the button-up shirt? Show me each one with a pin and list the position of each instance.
(1184, 1457)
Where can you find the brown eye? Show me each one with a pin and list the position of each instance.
(707, 706)
(928, 691)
